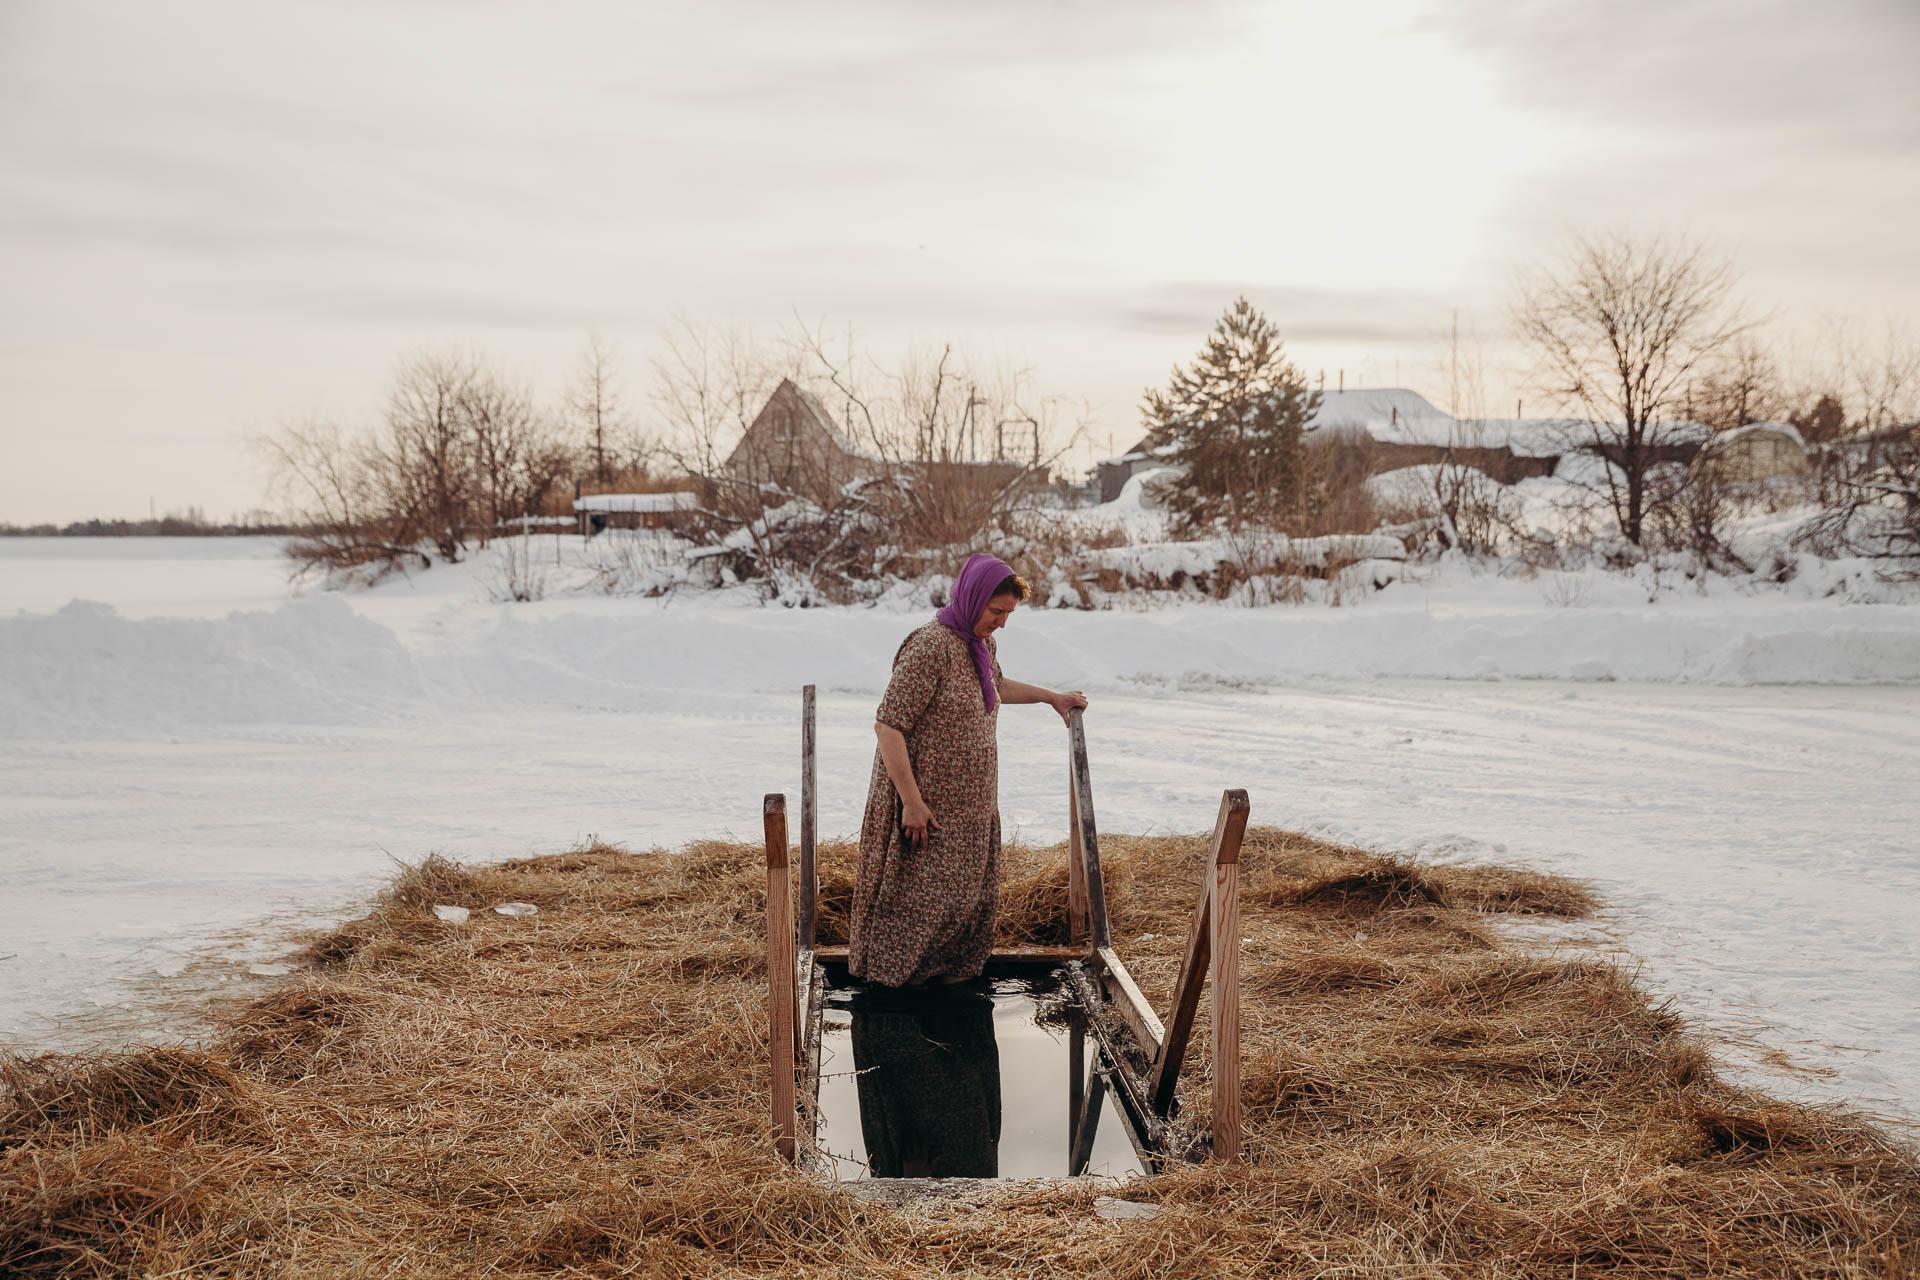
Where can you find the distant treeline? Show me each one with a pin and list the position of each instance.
(169, 526)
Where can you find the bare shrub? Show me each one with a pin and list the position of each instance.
(643, 562)
(1875, 510)
(1564, 590)
(518, 575)
(331, 482)
(461, 453)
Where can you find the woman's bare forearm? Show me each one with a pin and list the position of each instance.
(899, 765)
(1016, 691)
(1064, 703)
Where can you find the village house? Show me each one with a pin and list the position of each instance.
(794, 443)
(1399, 428)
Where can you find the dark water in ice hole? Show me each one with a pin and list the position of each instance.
(964, 1081)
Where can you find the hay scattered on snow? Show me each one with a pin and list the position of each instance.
(583, 1092)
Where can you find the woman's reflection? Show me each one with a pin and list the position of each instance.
(929, 1082)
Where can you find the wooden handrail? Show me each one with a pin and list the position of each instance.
(780, 983)
(809, 818)
(1212, 943)
(1084, 843)
(1077, 926)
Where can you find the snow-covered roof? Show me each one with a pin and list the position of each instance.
(648, 503)
(1528, 437)
(1142, 452)
(1370, 411)
(1786, 429)
(1395, 415)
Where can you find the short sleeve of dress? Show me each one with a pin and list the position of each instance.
(999, 676)
(915, 679)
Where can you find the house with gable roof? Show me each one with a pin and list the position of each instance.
(795, 443)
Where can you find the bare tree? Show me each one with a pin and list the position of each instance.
(1744, 386)
(516, 455)
(1480, 512)
(461, 452)
(1619, 328)
(595, 404)
(424, 460)
(1885, 378)
(707, 387)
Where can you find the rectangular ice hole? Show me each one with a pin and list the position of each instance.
(970, 1080)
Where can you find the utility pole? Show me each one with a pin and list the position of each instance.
(1453, 352)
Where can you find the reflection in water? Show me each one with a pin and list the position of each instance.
(997, 1078)
(929, 1082)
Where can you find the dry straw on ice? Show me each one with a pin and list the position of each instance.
(583, 1092)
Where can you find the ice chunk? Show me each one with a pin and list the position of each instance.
(452, 915)
(269, 970)
(516, 909)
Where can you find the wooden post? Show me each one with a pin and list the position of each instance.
(1076, 1083)
(1086, 1125)
(809, 817)
(1224, 942)
(1086, 830)
(780, 960)
(1228, 831)
(1076, 866)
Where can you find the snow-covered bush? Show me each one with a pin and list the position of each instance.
(1876, 512)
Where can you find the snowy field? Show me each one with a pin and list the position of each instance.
(180, 782)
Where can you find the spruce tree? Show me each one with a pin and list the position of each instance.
(1235, 420)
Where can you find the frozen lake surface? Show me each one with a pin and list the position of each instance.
(178, 784)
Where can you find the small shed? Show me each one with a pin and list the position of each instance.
(1757, 451)
(599, 511)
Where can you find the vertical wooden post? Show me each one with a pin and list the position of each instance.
(1087, 831)
(780, 959)
(1076, 866)
(1228, 831)
(1224, 942)
(1076, 1082)
(809, 818)
(1087, 1127)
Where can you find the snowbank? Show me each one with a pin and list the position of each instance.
(87, 670)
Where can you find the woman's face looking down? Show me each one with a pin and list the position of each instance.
(995, 615)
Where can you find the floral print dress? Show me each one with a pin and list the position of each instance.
(928, 912)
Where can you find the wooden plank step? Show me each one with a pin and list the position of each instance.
(836, 954)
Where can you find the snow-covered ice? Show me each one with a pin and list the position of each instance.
(173, 773)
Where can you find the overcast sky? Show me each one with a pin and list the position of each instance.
(220, 216)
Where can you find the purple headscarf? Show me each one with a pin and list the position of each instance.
(971, 591)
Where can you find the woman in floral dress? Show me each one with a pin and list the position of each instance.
(930, 845)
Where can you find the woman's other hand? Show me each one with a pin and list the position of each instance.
(1066, 702)
(915, 820)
